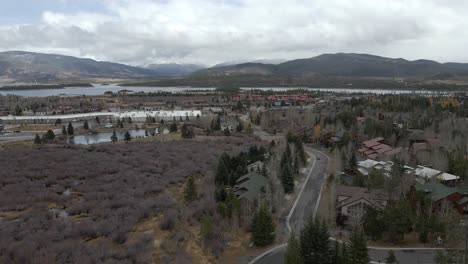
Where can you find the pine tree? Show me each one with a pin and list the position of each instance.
(315, 246)
(64, 130)
(391, 259)
(187, 132)
(358, 253)
(173, 127)
(49, 135)
(127, 136)
(344, 254)
(70, 129)
(190, 192)
(336, 257)
(37, 140)
(287, 177)
(263, 230)
(86, 125)
(293, 252)
(114, 137)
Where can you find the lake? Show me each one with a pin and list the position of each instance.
(99, 89)
(96, 90)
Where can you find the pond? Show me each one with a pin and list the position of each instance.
(106, 136)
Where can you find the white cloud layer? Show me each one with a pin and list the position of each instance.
(212, 31)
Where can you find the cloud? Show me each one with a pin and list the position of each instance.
(211, 31)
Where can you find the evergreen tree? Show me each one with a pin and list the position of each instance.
(18, 110)
(373, 224)
(114, 137)
(287, 177)
(64, 130)
(70, 129)
(49, 135)
(344, 254)
(315, 247)
(352, 164)
(190, 191)
(227, 133)
(173, 127)
(127, 136)
(223, 169)
(187, 132)
(37, 140)
(358, 253)
(86, 125)
(391, 259)
(58, 121)
(97, 120)
(336, 257)
(293, 252)
(263, 230)
(130, 120)
(239, 127)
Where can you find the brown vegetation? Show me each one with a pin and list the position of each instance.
(73, 204)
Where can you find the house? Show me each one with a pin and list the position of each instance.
(229, 125)
(443, 198)
(255, 167)
(351, 203)
(377, 149)
(306, 133)
(425, 174)
(250, 186)
(249, 189)
(366, 166)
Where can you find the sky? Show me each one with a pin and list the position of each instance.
(141, 32)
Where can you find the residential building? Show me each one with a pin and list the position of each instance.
(425, 174)
(255, 167)
(351, 203)
(377, 149)
(249, 190)
(443, 198)
(229, 125)
(421, 174)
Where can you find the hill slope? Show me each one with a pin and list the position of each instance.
(29, 66)
(174, 69)
(347, 64)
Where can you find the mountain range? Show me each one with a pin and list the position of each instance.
(347, 64)
(22, 66)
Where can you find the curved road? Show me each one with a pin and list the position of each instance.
(307, 204)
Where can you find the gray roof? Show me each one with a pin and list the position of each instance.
(249, 186)
(357, 193)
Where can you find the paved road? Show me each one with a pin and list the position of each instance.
(306, 205)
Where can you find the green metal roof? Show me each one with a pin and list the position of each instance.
(439, 191)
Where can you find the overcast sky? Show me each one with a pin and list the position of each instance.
(140, 32)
